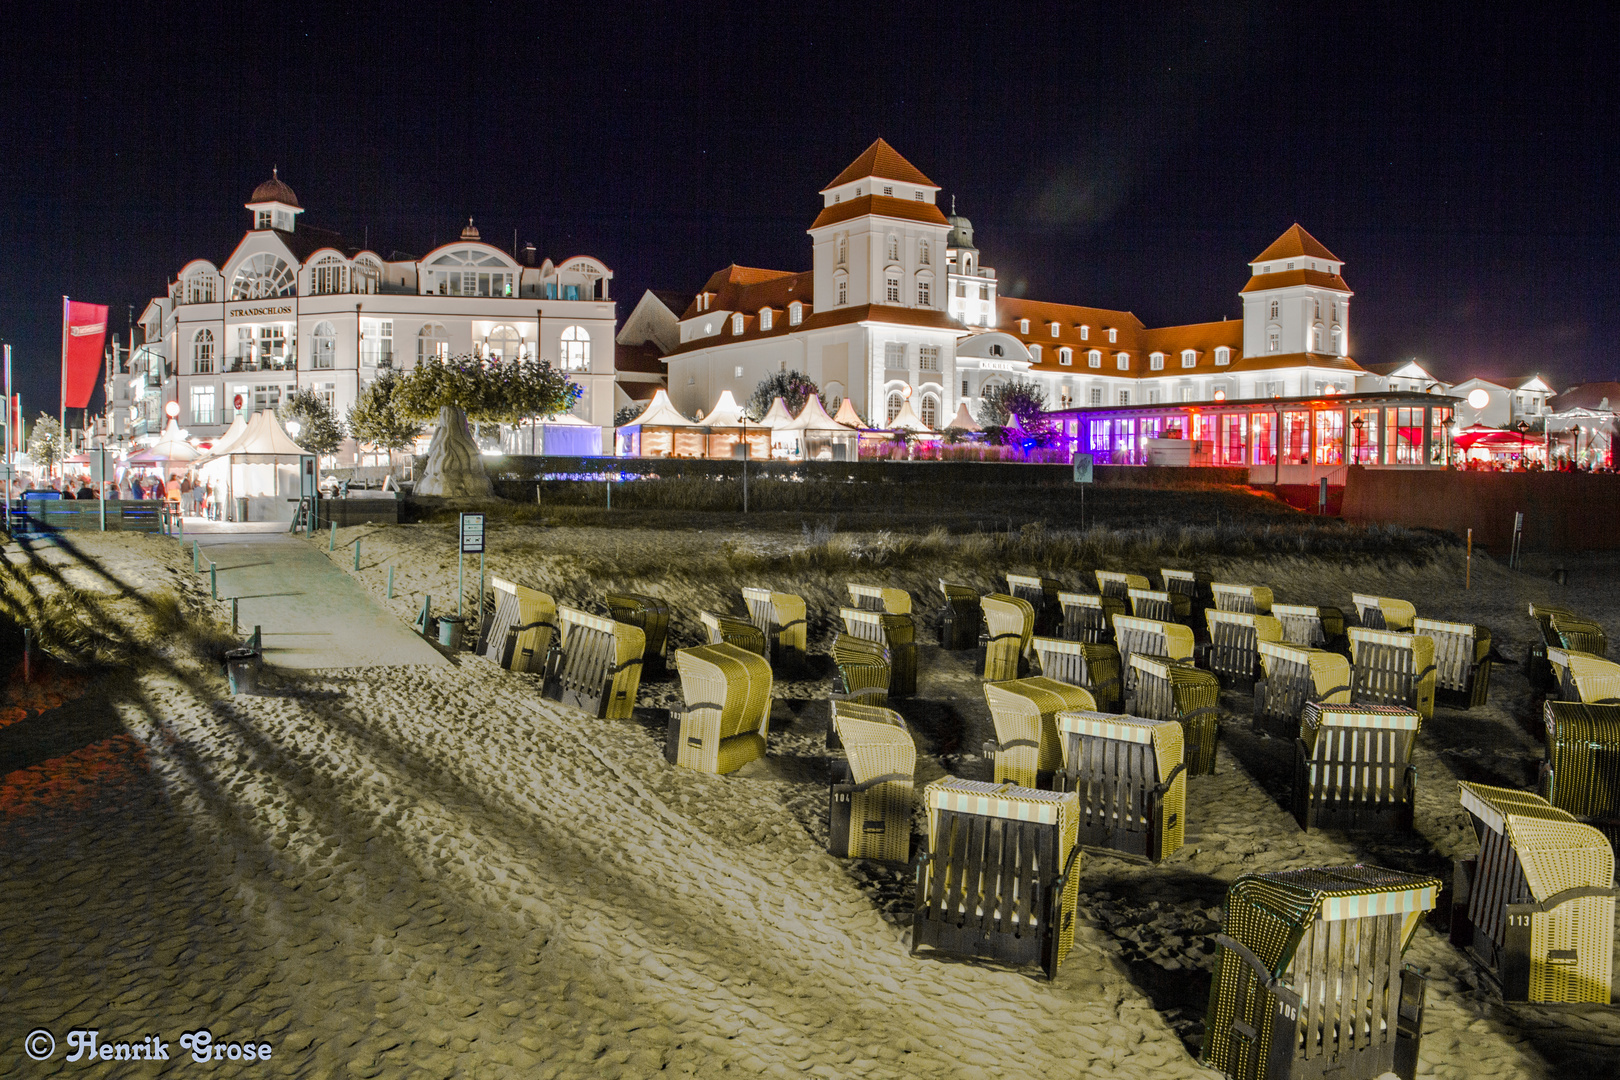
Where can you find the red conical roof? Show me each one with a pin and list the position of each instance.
(1296, 243)
(884, 162)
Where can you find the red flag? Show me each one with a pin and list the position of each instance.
(84, 327)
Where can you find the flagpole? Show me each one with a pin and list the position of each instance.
(60, 471)
(11, 420)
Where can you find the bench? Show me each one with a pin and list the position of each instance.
(781, 618)
(1462, 661)
(595, 664)
(862, 671)
(1009, 624)
(1234, 644)
(1089, 616)
(1383, 612)
(1129, 775)
(960, 619)
(1581, 775)
(1000, 875)
(652, 615)
(869, 797)
(1353, 768)
(726, 718)
(520, 631)
(1392, 668)
(1252, 599)
(1153, 637)
(1310, 980)
(898, 634)
(1163, 606)
(1042, 594)
(1312, 625)
(1535, 909)
(1026, 750)
(733, 630)
(1169, 689)
(1118, 584)
(1095, 667)
(1294, 677)
(879, 598)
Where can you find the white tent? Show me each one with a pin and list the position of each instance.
(565, 434)
(661, 431)
(232, 436)
(777, 418)
(728, 426)
(848, 416)
(726, 412)
(813, 435)
(906, 420)
(170, 447)
(261, 465)
(962, 421)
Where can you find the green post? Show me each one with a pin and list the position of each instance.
(357, 555)
(331, 543)
(213, 579)
(610, 494)
(179, 521)
(461, 578)
(234, 627)
(390, 583)
(480, 592)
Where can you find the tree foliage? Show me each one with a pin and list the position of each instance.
(487, 391)
(793, 387)
(1015, 412)
(319, 431)
(45, 441)
(377, 420)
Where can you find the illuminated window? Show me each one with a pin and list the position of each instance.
(377, 342)
(765, 318)
(1223, 356)
(924, 291)
(263, 276)
(475, 272)
(200, 288)
(202, 405)
(329, 275)
(323, 355)
(202, 354)
(1094, 359)
(737, 323)
(928, 358)
(1273, 338)
(575, 349)
(432, 343)
(930, 410)
(1156, 362)
(1122, 361)
(1189, 358)
(505, 343)
(1066, 357)
(891, 289)
(896, 402)
(795, 313)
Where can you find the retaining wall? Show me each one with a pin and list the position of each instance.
(1562, 511)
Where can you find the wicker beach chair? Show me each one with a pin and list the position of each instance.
(781, 618)
(1535, 909)
(1129, 775)
(1596, 680)
(1578, 634)
(1026, 749)
(869, 800)
(1253, 599)
(652, 615)
(1042, 594)
(1089, 616)
(1095, 667)
(1010, 624)
(1462, 661)
(960, 619)
(1535, 661)
(1559, 684)
(862, 671)
(1353, 769)
(898, 634)
(520, 632)
(1383, 612)
(733, 630)
(1309, 976)
(1000, 875)
(1294, 677)
(1118, 584)
(1169, 689)
(1193, 584)
(879, 598)
(727, 715)
(1152, 637)
(1311, 625)
(1162, 605)
(1581, 775)
(1234, 644)
(1392, 668)
(595, 664)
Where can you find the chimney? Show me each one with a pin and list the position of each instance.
(528, 254)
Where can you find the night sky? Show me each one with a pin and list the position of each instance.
(1463, 163)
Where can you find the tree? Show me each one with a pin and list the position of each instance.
(1018, 405)
(319, 431)
(627, 414)
(467, 387)
(375, 419)
(793, 387)
(45, 441)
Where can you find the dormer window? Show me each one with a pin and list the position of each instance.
(261, 219)
(1023, 326)
(795, 313)
(996, 350)
(1189, 358)
(1066, 357)
(1156, 361)
(1122, 361)
(736, 323)
(1054, 329)
(765, 318)
(1223, 356)
(1094, 359)
(1113, 335)
(1085, 333)
(1035, 354)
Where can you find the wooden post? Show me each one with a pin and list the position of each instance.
(331, 543)
(213, 579)
(28, 651)
(1468, 572)
(234, 612)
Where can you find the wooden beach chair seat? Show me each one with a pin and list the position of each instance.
(595, 664)
(1118, 584)
(862, 670)
(1310, 979)
(1578, 634)
(1153, 637)
(1253, 599)
(879, 598)
(781, 618)
(1535, 909)
(869, 800)
(1596, 681)
(1535, 661)
(1193, 584)
(1392, 668)
(898, 634)
(726, 718)
(1234, 644)
(1169, 689)
(1010, 624)
(1000, 875)
(1095, 667)
(733, 630)
(1042, 594)
(519, 634)
(1130, 777)
(1581, 775)
(1027, 750)
(960, 619)
(652, 615)
(1353, 768)
(1089, 616)
(1462, 661)
(1295, 676)
(1314, 626)
(1162, 605)
(1383, 612)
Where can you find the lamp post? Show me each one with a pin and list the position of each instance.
(1522, 429)
(1357, 423)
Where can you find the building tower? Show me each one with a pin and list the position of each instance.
(274, 205)
(970, 287)
(1296, 304)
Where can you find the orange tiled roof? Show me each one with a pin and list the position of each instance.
(1271, 361)
(748, 288)
(1295, 277)
(884, 162)
(881, 206)
(815, 320)
(1294, 244)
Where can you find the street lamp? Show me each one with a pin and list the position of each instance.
(1358, 423)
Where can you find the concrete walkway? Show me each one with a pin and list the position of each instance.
(311, 613)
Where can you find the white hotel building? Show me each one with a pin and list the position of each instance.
(296, 307)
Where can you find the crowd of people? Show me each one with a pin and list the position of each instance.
(187, 493)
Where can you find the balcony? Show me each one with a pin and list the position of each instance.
(236, 364)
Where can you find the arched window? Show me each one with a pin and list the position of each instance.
(795, 313)
(202, 353)
(1338, 340)
(1156, 361)
(1085, 333)
(262, 276)
(469, 272)
(1316, 338)
(894, 248)
(930, 410)
(841, 279)
(897, 401)
(1113, 335)
(996, 350)
(834, 392)
(1094, 359)
(1035, 353)
(505, 343)
(1273, 338)
(1189, 358)
(1066, 356)
(764, 318)
(576, 349)
(737, 323)
(324, 355)
(366, 276)
(1123, 361)
(432, 343)
(330, 274)
(200, 287)
(1055, 325)
(1223, 356)
(922, 253)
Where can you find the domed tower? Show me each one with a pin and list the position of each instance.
(274, 205)
(970, 286)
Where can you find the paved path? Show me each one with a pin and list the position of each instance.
(312, 614)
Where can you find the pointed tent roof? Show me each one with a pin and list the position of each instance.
(1296, 243)
(265, 437)
(813, 417)
(906, 420)
(223, 444)
(962, 421)
(848, 416)
(777, 416)
(566, 419)
(884, 162)
(660, 413)
(726, 412)
(169, 447)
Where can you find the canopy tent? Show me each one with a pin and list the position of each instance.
(962, 421)
(728, 426)
(815, 436)
(223, 444)
(907, 420)
(565, 435)
(778, 416)
(847, 416)
(261, 465)
(170, 447)
(1585, 436)
(660, 431)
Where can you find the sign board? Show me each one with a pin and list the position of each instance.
(100, 467)
(1082, 468)
(306, 476)
(472, 534)
(236, 402)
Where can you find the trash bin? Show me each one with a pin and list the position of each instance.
(241, 507)
(450, 631)
(242, 667)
